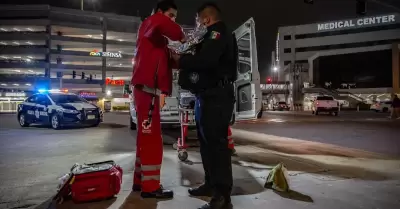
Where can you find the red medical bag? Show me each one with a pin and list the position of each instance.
(95, 181)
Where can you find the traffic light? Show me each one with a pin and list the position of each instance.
(269, 80)
(309, 1)
(73, 74)
(361, 7)
(83, 75)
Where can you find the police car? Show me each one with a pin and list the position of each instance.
(58, 109)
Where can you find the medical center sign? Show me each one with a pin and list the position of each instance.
(96, 53)
(347, 24)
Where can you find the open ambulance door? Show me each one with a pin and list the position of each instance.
(247, 87)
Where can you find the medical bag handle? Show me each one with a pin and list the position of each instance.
(150, 115)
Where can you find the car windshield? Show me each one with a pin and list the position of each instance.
(324, 98)
(66, 98)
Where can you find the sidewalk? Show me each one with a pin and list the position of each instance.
(316, 181)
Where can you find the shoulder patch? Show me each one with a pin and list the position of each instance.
(215, 35)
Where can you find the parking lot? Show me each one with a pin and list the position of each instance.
(31, 160)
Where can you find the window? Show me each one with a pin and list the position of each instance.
(66, 98)
(287, 37)
(31, 99)
(287, 50)
(43, 100)
(389, 103)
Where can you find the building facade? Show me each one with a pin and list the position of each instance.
(301, 49)
(50, 47)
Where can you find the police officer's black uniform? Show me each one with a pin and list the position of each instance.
(210, 74)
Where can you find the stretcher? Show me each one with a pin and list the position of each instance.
(186, 103)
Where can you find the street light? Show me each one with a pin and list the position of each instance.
(108, 93)
(275, 69)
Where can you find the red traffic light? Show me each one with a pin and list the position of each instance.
(269, 80)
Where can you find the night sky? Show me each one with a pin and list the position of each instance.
(268, 14)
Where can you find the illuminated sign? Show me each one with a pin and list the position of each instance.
(87, 94)
(115, 82)
(15, 94)
(357, 23)
(96, 53)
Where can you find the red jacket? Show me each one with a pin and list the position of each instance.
(152, 53)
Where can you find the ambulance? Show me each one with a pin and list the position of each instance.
(248, 94)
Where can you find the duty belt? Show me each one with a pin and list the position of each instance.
(149, 90)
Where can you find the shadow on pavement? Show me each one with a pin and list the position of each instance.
(300, 147)
(192, 175)
(134, 201)
(298, 164)
(101, 204)
(293, 195)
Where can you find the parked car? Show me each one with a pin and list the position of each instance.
(280, 106)
(381, 106)
(325, 104)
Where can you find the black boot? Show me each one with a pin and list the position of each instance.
(160, 193)
(218, 202)
(202, 190)
(136, 188)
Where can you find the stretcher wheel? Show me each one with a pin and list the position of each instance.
(175, 146)
(182, 155)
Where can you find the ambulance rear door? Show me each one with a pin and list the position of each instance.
(247, 87)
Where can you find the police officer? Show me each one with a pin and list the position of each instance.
(210, 74)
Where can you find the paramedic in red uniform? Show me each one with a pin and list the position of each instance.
(152, 76)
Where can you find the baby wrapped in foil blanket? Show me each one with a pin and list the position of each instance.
(193, 38)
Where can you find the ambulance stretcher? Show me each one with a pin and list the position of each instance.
(186, 102)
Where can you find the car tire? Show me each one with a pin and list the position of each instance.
(316, 112)
(22, 120)
(385, 109)
(55, 122)
(336, 113)
(132, 124)
(259, 114)
(97, 123)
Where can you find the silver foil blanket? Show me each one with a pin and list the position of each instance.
(192, 39)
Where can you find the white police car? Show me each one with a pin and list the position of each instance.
(58, 109)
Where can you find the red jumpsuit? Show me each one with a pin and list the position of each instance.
(152, 70)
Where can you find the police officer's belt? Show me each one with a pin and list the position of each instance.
(148, 89)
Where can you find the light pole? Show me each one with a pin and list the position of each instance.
(82, 5)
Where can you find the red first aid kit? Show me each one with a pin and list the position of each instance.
(95, 181)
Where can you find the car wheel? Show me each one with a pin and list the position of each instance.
(316, 112)
(259, 114)
(22, 120)
(385, 109)
(97, 123)
(55, 122)
(335, 113)
(132, 124)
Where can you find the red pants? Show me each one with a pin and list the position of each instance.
(149, 151)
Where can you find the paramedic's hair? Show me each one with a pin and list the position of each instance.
(165, 5)
(211, 5)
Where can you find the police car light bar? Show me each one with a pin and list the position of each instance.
(52, 90)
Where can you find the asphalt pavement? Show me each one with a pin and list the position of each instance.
(370, 131)
(31, 160)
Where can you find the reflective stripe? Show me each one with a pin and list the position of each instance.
(148, 178)
(151, 167)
